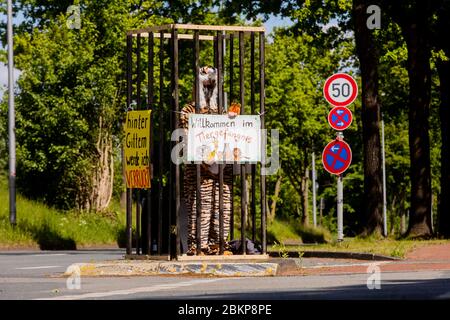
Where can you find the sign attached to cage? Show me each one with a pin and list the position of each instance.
(137, 149)
(219, 138)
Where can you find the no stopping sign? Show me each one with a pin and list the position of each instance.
(340, 118)
(336, 157)
(340, 90)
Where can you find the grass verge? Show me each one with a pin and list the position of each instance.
(39, 226)
(287, 232)
(386, 247)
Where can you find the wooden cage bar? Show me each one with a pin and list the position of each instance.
(196, 27)
(243, 167)
(146, 246)
(263, 146)
(161, 144)
(252, 110)
(138, 107)
(129, 231)
(198, 198)
(231, 71)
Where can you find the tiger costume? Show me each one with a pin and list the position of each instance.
(209, 181)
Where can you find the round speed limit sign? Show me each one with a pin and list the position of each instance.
(340, 90)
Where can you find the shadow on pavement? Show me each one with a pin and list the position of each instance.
(390, 290)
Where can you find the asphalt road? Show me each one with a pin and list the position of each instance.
(37, 275)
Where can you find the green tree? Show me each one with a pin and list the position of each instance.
(414, 19)
(72, 92)
(329, 23)
(71, 98)
(295, 105)
(368, 56)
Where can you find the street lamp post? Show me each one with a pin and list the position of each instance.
(11, 120)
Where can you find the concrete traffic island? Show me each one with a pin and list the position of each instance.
(219, 266)
(236, 267)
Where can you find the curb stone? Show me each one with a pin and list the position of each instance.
(135, 268)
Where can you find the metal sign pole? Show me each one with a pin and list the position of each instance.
(11, 120)
(314, 189)
(340, 205)
(340, 201)
(384, 181)
(340, 90)
(321, 207)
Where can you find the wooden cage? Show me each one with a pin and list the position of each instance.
(159, 212)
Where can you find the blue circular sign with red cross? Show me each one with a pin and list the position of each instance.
(336, 157)
(340, 118)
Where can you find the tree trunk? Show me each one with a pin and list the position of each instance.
(98, 195)
(320, 212)
(103, 173)
(403, 223)
(443, 68)
(414, 20)
(368, 59)
(295, 179)
(275, 198)
(123, 193)
(392, 216)
(305, 189)
(416, 35)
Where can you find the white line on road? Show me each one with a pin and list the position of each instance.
(132, 291)
(40, 267)
(48, 255)
(29, 280)
(445, 296)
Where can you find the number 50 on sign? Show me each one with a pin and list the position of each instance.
(340, 90)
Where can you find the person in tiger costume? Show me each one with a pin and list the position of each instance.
(209, 176)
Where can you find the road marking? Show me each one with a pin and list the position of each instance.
(132, 291)
(40, 267)
(348, 265)
(445, 296)
(29, 280)
(48, 254)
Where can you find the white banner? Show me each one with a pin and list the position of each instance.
(219, 138)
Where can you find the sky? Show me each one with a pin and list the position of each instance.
(276, 22)
(3, 67)
(4, 77)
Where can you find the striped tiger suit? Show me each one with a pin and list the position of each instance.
(209, 182)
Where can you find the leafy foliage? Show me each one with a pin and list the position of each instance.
(71, 91)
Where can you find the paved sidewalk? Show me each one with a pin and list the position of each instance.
(432, 257)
